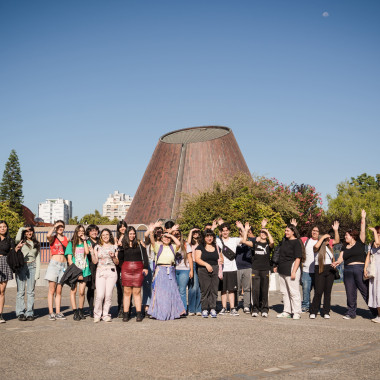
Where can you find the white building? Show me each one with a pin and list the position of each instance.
(55, 209)
(117, 205)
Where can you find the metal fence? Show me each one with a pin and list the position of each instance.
(45, 247)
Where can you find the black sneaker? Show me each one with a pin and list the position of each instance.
(76, 316)
(30, 318)
(21, 317)
(81, 314)
(120, 313)
(139, 317)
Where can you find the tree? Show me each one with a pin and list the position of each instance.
(362, 192)
(233, 201)
(95, 218)
(13, 219)
(11, 184)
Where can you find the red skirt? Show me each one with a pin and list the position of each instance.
(132, 273)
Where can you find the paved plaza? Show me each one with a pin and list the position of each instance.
(224, 348)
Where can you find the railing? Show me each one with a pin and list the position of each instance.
(45, 247)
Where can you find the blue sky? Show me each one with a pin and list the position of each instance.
(88, 87)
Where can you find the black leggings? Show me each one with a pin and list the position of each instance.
(323, 283)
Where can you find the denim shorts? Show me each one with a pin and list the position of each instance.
(55, 271)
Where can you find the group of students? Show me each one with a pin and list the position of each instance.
(170, 277)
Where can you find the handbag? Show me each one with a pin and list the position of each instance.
(228, 252)
(371, 268)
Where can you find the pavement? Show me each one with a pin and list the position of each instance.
(191, 348)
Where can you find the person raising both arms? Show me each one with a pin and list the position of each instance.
(57, 266)
(261, 248)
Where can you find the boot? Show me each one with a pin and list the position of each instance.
(81, 314)
(120, 313)
(126, 316)
(76, 315)
(139, 317)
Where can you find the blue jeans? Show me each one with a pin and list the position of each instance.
(194, 293)
(307, 285)
(182, 277)
(147, 285)
(26, 276)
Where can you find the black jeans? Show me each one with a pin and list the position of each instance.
(260, 291)
(208, 283)
(353, 280)
(119, 289)
(323, 283)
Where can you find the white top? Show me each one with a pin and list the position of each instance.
(328, 257)
(181, 265)
(232, 243)
(308, 265)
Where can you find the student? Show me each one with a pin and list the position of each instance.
(121, 228)
(147, 282)
(374, 282)
(261, 248)
(184, 268)
(207, 257)
(324, 273)
(135, 267)
(28, 274)
(194, 292)
(77, 251)
(92, 232)
(105, 256)
(244, 270)
(7, 245)
(292, 254)
(166, 302)
(353, 255)
(229, 267)
(57, 266)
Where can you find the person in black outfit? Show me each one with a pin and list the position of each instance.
(92, 231)
(261, 248)
(207, 257)
(121, 228)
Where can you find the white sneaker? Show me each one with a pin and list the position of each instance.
(376, 320)
(264, 315)
(326, 316)
(234, 313)
(296, 316)
(191, 314)
(284, 314)
(255, 314)
(107, 318)
(96, 320)
(312, 316)
(199, 314)
(246, 310)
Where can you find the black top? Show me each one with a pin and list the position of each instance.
(244, 255)
(208, 257)
(6, 245)
(261, 256)
(290, 251)
(134, 254)
(93, 244)
(354, 254)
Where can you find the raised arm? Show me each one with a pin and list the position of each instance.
(335, 227)
(270, 238)
(190, 237)
(320, 241)
(245, 235)
(362, 227)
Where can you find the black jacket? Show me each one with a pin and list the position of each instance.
(70, 277)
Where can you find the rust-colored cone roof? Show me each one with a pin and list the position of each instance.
(184, 162)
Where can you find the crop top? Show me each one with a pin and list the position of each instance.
(56, 248)
(355, 254)
(166, 256)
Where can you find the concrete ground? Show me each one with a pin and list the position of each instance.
(224, 348)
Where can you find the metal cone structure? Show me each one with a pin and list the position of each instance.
(185, 161)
